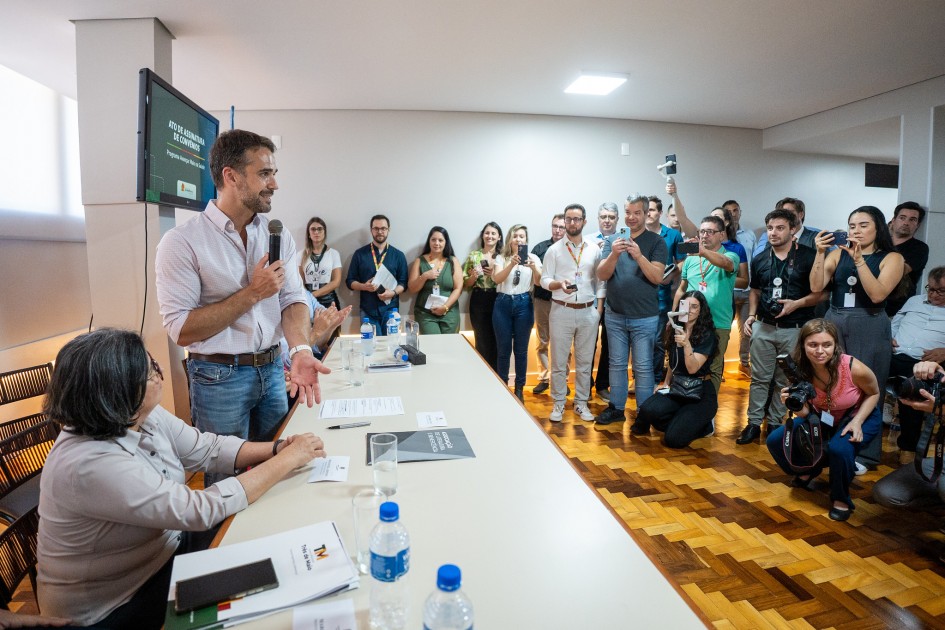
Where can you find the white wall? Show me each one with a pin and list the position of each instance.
(460, 170)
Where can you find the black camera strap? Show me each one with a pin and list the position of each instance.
(922, 447)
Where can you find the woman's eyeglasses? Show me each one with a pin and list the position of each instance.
(155, 369)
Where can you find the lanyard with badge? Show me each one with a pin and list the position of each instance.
(436, 280)
(777, 292)
(849, 298)
(703, 285)
(578, 274)
(378, 263)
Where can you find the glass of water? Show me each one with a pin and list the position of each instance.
(357, 366)
(344, 347)
(384, 462)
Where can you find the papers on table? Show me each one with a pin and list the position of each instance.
(310, 562)
(334, 468)
(430, 419)
(361, 407)
(424, 446)
(328, 616)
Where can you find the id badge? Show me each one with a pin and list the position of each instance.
(776, 293)
(849, 300)
(578, 276)
(703, 287)
(826, 417)
(436, 290)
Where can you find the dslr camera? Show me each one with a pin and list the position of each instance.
(774, 307)
(800, 392)
(909, 388)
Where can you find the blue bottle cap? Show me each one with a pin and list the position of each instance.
(448, 578)
(366, 319)
(389, 511)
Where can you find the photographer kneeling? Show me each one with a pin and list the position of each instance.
(845, 393)
(904, 487)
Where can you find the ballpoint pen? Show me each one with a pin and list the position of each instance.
(350, 425)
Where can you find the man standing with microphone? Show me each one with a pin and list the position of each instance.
(222, 299)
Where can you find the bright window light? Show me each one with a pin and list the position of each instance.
(596, 84)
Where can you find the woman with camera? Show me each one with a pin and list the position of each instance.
(845, 396)
(683, 407)
(862, 273)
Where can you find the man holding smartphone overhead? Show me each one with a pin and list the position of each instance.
(780, 302)
(633, 267)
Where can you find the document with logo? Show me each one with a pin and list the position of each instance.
(424, 446)
(310, 562)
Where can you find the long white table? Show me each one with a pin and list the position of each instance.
(536, 545)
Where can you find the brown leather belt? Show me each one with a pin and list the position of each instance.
(254, 359)
(576, 307)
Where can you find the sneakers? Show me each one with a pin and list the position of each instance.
(557, 412)
(584, 412)
(858, 469)
(541, 388)
(611, 415)
(638, 428)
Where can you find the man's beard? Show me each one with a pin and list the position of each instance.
(256, 202)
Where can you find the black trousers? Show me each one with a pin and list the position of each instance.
(481, 305)
(681, 421)
(602, 379)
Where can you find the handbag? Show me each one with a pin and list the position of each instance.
(803, 442)
(686, 387)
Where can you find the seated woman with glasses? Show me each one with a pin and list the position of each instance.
(515, 277)
(437, 279)
(114, 504)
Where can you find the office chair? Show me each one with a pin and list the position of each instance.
(18, 555)
(22, 457)
(24, 383)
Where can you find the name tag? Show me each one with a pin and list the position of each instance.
(849, 300)
(826, 417)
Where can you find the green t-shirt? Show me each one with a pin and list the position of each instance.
(720, 285)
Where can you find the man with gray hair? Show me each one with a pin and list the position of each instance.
(607, 223)
(633, 269)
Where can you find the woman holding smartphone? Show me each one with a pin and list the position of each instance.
(692, 344)
(516, 274)
(860, 275)
(477, 275)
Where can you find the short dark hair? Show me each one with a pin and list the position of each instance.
(448, 252)
(498, 243)
(719, 223)
(378, 217)
(229, 149)
(576, 206)
(657, 201)
(794, 201)
(781, 213)
(910, 205)
(937, 274)
(730, 220)
(731, 202)
(99, 383)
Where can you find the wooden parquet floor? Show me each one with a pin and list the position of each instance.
(747, 549)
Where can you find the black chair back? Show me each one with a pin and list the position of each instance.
(18, 554)
(23, 455)
(25, 383)
(11, 428)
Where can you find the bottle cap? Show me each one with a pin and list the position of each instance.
(390, 512)
(366, 319)
(448, 578)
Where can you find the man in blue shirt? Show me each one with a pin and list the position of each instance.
(377, 301)
(672, 238)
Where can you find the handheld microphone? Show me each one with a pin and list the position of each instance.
(275, 240)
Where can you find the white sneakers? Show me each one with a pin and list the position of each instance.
(557, 412)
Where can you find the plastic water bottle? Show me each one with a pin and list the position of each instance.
(448, 608)
(393, 329)
(367, 337)
(399, 354)
(390, 562)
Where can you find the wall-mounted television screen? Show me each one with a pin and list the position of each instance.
(174, 140)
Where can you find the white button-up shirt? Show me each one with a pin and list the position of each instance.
(203, 262)
(561, 263)
(918, 326)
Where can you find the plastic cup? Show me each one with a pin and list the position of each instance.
(365, 507)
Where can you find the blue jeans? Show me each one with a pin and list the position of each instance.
(380, 316)
(512, 320)
(839, 452)
(243, 401)
(624, 334)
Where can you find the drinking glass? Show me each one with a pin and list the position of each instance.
(384, 462)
